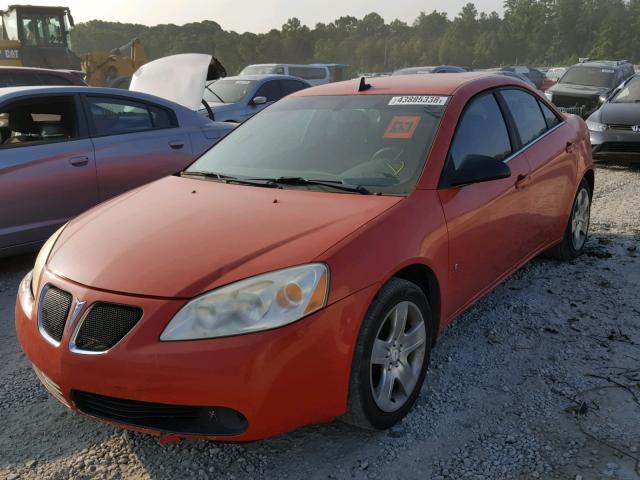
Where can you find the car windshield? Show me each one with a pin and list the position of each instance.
(228, 91)
(376, 141)
(591, 76)
(630, 93)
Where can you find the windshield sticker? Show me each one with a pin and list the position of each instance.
(419, 100)
(402, 127)
(607, 70)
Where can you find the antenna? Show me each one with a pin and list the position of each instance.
(364, 86)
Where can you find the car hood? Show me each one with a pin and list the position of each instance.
(223, 107)
(179, 78)
(180, 237)
(578, 90)
(620, 113)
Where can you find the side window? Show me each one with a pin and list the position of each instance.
(35, 122)
(18, 80)
(550, 117)
(481, 131)
(113, 116)
(270, 90)
(526, 114)
(290, 86)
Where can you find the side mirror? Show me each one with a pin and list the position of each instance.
(259, 100)
(479, 168)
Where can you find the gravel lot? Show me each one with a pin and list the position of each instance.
(541, 379)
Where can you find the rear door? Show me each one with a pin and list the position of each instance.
(552, 157)
(487, 222)
(47, 167)
(135, 143)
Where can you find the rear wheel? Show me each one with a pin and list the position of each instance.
(577, 231)
(391, 356)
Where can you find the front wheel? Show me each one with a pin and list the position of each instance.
(391, 357)
(577, 231)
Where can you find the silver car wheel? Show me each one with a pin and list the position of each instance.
(580, 219)
(397, 356)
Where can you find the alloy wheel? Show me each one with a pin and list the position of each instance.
(397, 356)
(580, 219)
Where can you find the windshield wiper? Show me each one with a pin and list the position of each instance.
(230, 179)
(337, 184)
(217, 96)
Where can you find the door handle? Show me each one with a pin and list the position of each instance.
(176, 145)
(79, 161)
(523, 181)
(570, 148)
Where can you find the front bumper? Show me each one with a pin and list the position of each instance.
(277, 380)
(612, 144)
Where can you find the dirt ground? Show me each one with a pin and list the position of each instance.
(541, 379)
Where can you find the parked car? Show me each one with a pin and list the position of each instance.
(533, 74)
(519, 76)
(302, 269)
(438, 69)
(26, 76)
(551, 77)
(65, 149)
(317, 74)
(615, 126)
(586, 85)
(236, 99)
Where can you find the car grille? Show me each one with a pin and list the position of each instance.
(160, 416)
(619, 126)
(54, 311)
(105, 325)
(620, 147)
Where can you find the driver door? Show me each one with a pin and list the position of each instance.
(487, 222)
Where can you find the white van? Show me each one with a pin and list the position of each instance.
(314, 74)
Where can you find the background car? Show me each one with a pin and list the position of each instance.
(615, 126)
(319, 250)
(587, 84)
(236, 99)
(438, 69)
(533, 74)
(24, 76)
(508, 73)
(65, 149)
(314, 74)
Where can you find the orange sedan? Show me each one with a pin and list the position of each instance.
(302, 269)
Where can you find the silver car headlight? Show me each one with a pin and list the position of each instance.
(41, 260)
(596, 126)
(258, 303)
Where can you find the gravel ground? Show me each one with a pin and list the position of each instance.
(541, 379)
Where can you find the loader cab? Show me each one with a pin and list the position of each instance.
(39, 36)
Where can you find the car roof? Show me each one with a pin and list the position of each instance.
(270, 76)
(10, 93)
(41, 70)
(414, 84)
(601, 63)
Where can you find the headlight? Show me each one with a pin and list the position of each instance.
(596, 126)
(549, 96)
(259, 303)
(41, 260)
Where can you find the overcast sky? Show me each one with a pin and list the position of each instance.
(255, 15)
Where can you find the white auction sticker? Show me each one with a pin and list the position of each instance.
(437, 100)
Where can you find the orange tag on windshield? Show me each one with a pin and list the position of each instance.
(402, 127)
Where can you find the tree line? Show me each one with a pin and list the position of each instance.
(530, 32)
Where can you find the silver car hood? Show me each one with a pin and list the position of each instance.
(179, 78)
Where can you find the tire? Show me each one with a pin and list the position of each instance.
(366, 408)
(571, 247)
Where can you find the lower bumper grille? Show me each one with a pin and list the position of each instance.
(105, 325)
(53, 313)
(620, 147)
(180, 419)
